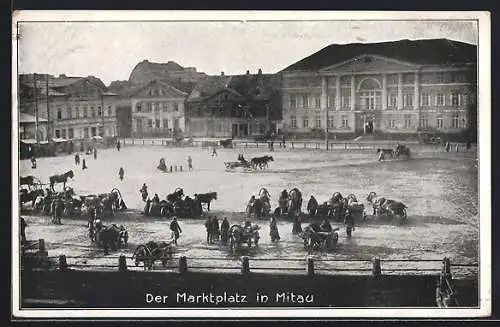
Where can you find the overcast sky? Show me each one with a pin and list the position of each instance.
(110, 50)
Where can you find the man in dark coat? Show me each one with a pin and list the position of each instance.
(312, 206)
(118, 145)
(208, 227)
(224, 230)
(215, 229)
(176, 229)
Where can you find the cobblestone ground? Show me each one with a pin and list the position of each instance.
(440, 190)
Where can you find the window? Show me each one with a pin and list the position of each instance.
(58, 133)
(110, 111)
(293, 101)
(101, 130)
(175, 106)
(317, 102)
(440, 99)
(439, 122)
(150, 107)
(330, 123)
(160, 91)
(305, 122)
(293, 122)
(345, 122)
(157, 123)
(440, 78)
(463, 123)
(424, 122)
(305, 101)
(455, 99)
(77, 112)
(392, 123)
(70, 113)
(318, 122)
(345, 99)
(138, 107)
(331, 100)
(99, 111)
(85, 112)
(465, 100)
(392, 79)
(408, 100)
(86, 132)
(454, 121)
(93, 131)
(63, 133)
(165, 123)
(59, 114)
(425, 99)
(71, 133)
(407, 122)
(393, 100)
(150, 123)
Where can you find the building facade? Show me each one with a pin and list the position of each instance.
(75, 107)
(28, 127)
(157, 108)
(234, 106)
(397, 87)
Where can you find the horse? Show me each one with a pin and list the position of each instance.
(60, 179)
(401, 151)
(261, 162)
(382, 205)
(206, 198)
(256, 208)
(382, 153)
(295, 198)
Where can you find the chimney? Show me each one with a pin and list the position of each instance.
(221, 73)
(248, 72)
(259, 72)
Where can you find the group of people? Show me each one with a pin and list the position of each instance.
(214, 231)
(84, 163)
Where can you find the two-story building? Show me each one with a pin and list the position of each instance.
(156, 107)
(74, 107)
(234, 106)
(397, 87)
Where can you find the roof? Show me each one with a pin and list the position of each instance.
(420, 52)
(27, 118)
(183, 87)
(208, 86)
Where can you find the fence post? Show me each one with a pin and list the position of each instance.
(183, 264)
(345, 146)
(447, 268)
(63, 265)
(376, 270)
(310, 266)
(245, 265)
(122, 263)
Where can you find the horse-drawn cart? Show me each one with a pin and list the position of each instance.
(315, 238)
(153, 251)
(238, 235)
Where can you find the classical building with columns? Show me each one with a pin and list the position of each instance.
(399, 87)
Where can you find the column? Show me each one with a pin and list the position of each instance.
(400, 91)
(416, 96)
(337, 92)
(324, 93)
(384, 91)
(353, 93)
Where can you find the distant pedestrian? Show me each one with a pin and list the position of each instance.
(190, 163)
(447, 147)
(468, 145)
(77, 159)
(224, 230)
(273, 230)
(456, 147)
(208, 227)
(118, 146)
(283, 141)
(121, 172)
(214, 152)
(84, 165)
(33, 162)
(176, 229)
(95, 153)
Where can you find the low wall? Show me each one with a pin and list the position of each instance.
(97, 289)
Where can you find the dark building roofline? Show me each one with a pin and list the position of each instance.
(420, 52)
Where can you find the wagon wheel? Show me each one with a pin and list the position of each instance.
(403, 215)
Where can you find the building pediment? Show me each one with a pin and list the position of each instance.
(369, 63)
(159, 90)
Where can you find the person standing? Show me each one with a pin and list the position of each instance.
(208, 227)
(283, 141)
(190, 163)
(144, 192)
(176, 229)
(121, 172)
(95, 153)
(273, 230)
(297, 225)
(33, 162)
(214, 152)
(77, 159)
(84, 165)
(118, 145)
(224, 230)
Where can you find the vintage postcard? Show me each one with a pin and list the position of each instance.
(188, 164)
